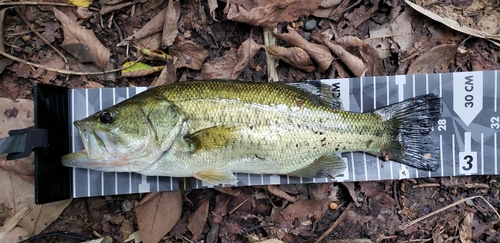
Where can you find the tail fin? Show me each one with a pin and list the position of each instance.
(409, 123)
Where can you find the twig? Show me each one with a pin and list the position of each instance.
(36, 3)
(427, 185)
(475, 186)
(447, 207)
(334, 225)
(62, 71)
(241, 204)
(12, 222)
(271, 61)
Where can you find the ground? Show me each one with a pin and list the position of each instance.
(206, 43)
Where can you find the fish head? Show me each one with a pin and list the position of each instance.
(127, 137)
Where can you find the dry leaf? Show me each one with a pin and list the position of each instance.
(25, 171)
(466, 228)
(170, 23)
(154, 26)
(479, 19)
(269, 13)
(221, 67)
(167, 76)
(151, 42)
(139, 69)
(16, 192)
(304, 209)
(75, 33)
(354, 63)
(246, 51)
(212, 5)
(198, 219)
(189, 55)
(232, 64)
(15, 235)
(318, 53)
(294, 56)
(436, 60)
(369, 56)
(280, 193)
(333, 9)
(158, 215)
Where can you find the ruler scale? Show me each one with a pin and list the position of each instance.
(466, 133)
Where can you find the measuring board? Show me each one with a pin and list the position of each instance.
(466, 133)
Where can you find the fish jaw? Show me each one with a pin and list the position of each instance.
(81, 159)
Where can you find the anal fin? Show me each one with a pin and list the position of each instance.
(216, 176)
(325, 165)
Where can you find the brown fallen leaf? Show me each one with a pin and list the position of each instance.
(25, 171)
(354, 63)
(158, 215)
(151, 42)
(269, 13)
(294, 56)
(189, 55)
(246, 51)
(479, 19)
(212, 5)
(198, 219)
(75, 33)
(170, 23)
(361, 14)
(318, 53)
(167, 76)
(304, 209)
(51, 60)
(465, 232)
(232, 64)
(280, 193)
(16, 191)
(332, 9)
(437, 59)
(154, 26)
(369, 56)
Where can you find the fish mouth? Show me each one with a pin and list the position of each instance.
(97, 142)
(97, 154)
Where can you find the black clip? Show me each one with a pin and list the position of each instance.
(35, 138)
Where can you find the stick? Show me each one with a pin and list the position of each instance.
(447, 207)
(334, 225)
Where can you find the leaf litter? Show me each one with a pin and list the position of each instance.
(207, 40)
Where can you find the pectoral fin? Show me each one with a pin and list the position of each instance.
(216, 176)
(325, 165)
(212, 138)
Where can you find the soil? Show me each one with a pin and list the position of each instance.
(374, 211)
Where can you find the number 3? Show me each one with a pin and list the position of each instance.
(469, 160)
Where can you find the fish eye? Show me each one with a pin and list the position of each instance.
(107, 117)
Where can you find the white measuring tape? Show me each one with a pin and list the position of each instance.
(466, 132)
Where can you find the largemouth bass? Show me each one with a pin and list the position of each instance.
(212, 129)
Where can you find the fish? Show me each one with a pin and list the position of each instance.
(211, 130)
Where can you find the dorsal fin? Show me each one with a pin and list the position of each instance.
(321, 92)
